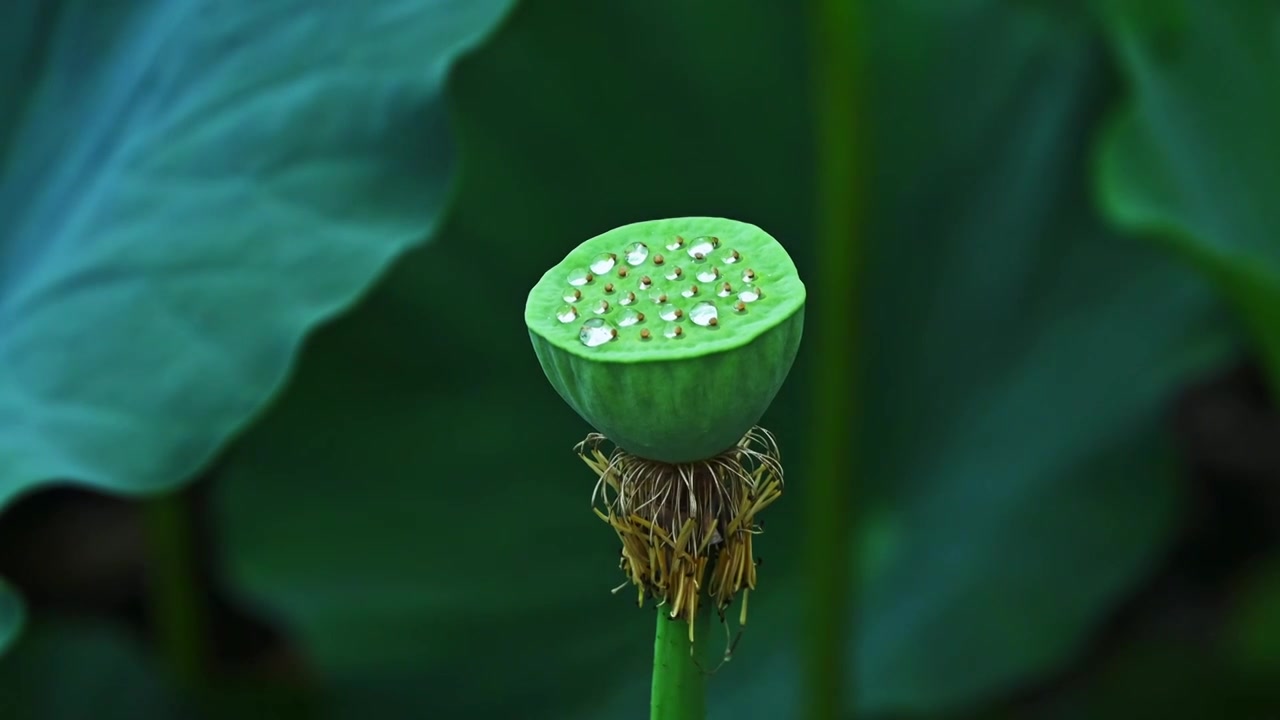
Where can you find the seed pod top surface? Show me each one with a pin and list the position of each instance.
(672, 336)
(722, 282)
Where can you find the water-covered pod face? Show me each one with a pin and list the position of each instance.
(671, 337)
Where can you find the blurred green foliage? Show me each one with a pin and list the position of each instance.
(72, 669)
(408, 509)
(188, 188)
(1193, 158)
(11, 615)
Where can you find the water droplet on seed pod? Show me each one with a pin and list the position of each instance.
(702, 247)
(630, 316)
(603, 263)
(704, 314)
(635, 253)
(596, 332)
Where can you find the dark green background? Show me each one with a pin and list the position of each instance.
(406, 512)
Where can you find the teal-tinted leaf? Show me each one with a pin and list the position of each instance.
(1192, 158)
(73, 669)
(411, 508)
(188, 188)
(1021, 359)
(11, 616)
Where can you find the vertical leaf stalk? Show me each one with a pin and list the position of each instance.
(175, 602)
(837, 72)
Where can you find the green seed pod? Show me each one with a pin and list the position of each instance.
(670, 337)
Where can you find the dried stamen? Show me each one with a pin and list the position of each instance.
(687, 528)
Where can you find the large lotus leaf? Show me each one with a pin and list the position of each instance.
(411, 509)
(188, 187)
(65, 669)
(11, 614)
(72, 668)
(1192, 159)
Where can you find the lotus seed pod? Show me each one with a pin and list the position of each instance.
(670, 337)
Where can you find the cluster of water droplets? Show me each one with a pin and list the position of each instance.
(620, 283)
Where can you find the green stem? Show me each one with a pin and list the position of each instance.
(679, 690)
(833, 494)
(174, 599)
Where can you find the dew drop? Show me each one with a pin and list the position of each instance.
(731, 257)
(635, 253)
(704, 314)
(702, 247)
(657, 296)
(748, 275)
(674, 273)
(749, 294)
(646, 282)
(601, 307)
(627, 299)
(567, 314)
(603, 263)
(573, 296)
(673, 331)
(708, 274)
(670, 312)
(690, 291)
(676, 244)
(630, 317)
(740, 306)
(596, 332)
(725, 290)
(580, 277)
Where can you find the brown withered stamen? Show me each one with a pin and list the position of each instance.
(688, 528)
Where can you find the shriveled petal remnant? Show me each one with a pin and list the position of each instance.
(681, 522)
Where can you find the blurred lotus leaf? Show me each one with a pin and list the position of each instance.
(11, 613)
(71, 669)
(1192, 158)
(188, 187)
